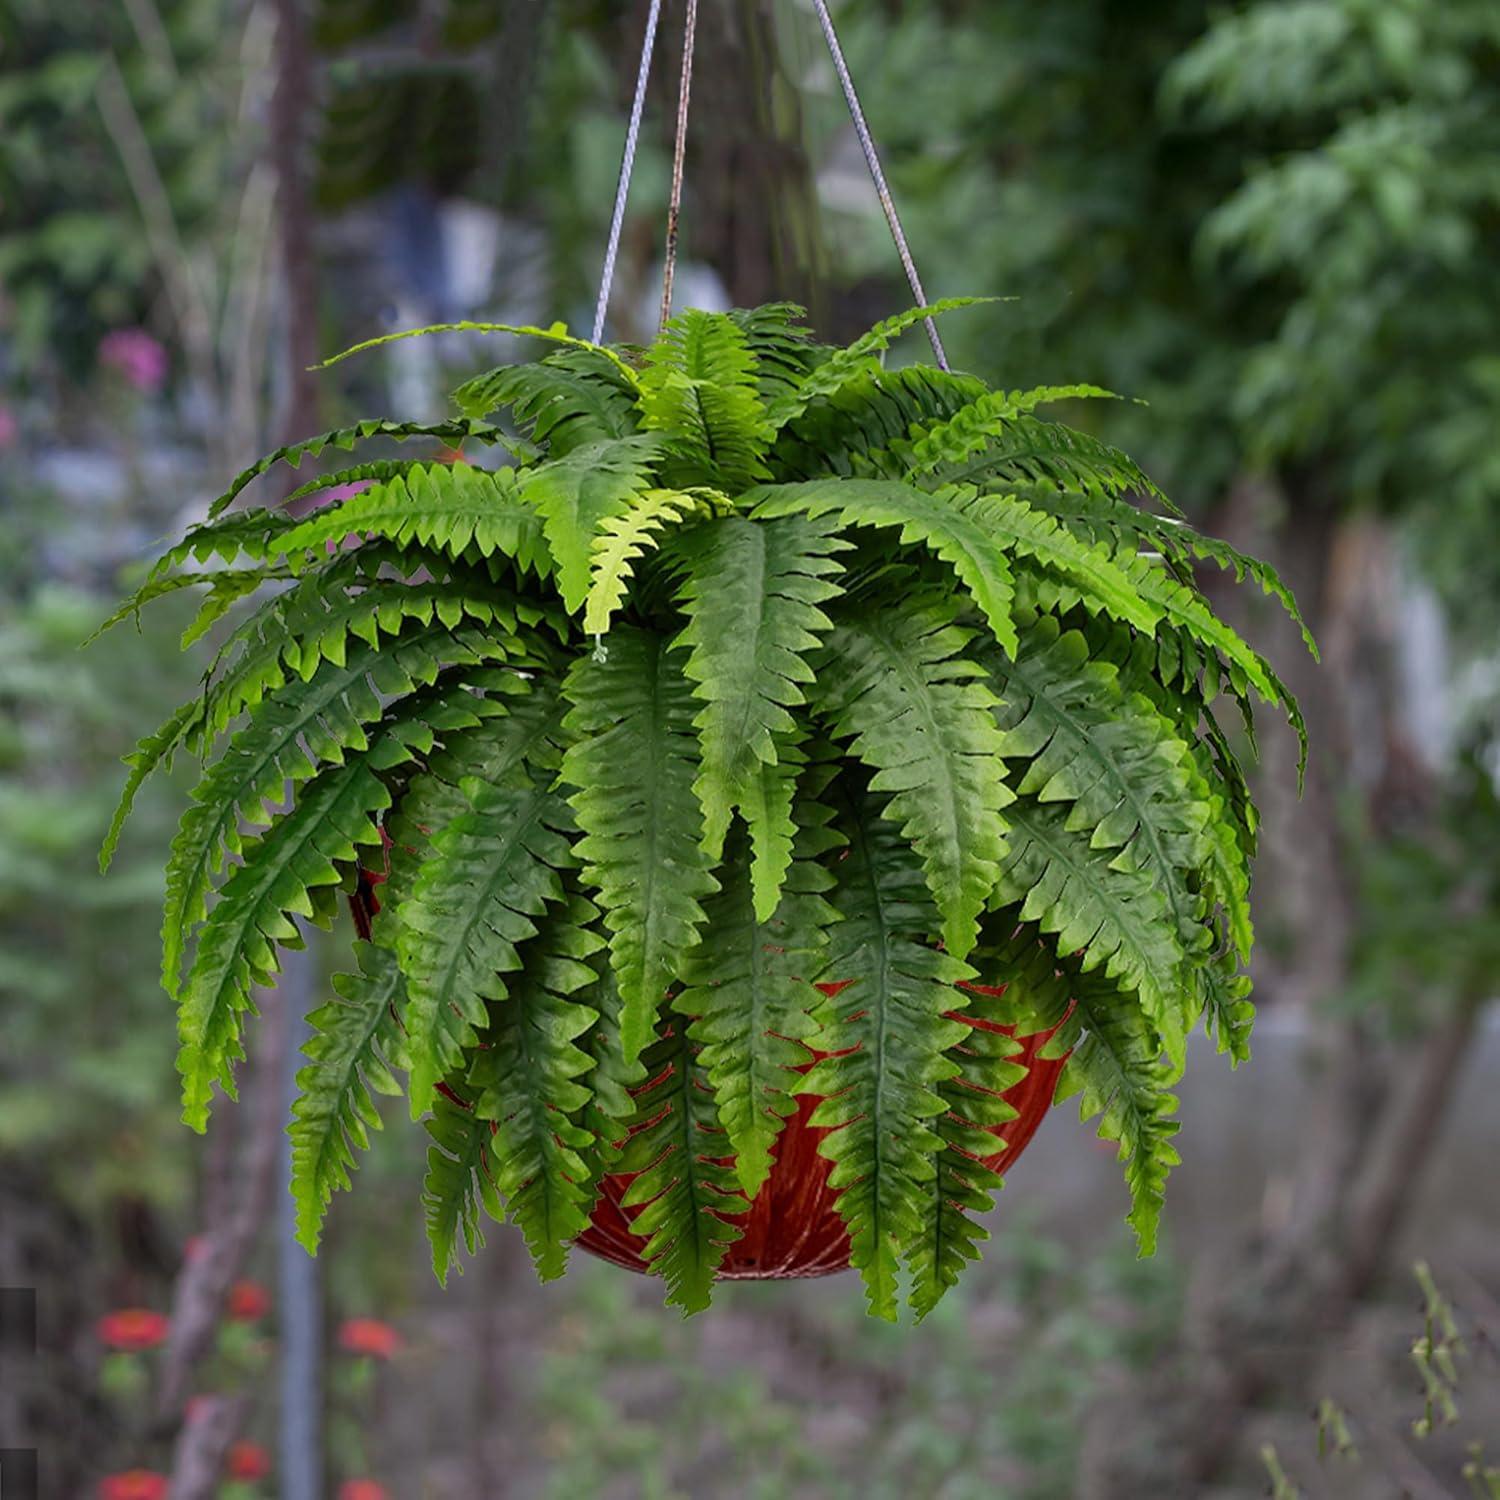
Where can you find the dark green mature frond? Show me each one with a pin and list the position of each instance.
(963, 1185)
(610, 1107)
(288, 736)
(970, 430)
(1126, 777)
(633, 763)
(896, 683)
(955, 534)
(447, 506)
(889, 1034)
(150, 752)
(1120, 1075)
(458, 430)
(752, 595)
(859, 359)
(355, 1044)
(526, 1077)
(571, 398)
(1116, 920)
(458, 1186)
(784, 351)
(699, 387)
(749, 988)
(488, 876)
(688, 1197)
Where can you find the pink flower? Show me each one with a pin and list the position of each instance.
(342, 491)
(362, 1489)
(135, 355)
(134, 1484)
(368, 1336)
(133, 1329)
(7, 428)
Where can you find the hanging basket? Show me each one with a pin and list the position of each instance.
(793, 1228)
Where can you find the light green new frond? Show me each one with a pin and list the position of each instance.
(687, 1195)
(356, 1042)
(573, 397)
(749, 988)
(752, 593)
(1119, 1073)
(1116, 921)
(288, 736)
(700, 388)
(971, 429)
(1126, 778)
(333, 817)
(526, 1079)
(956, 532)
(452, 433)
(894, 681)
(889, 1033)
(859, 359)
(458, 1186)
(446, 506)
(963, 1185)
(633, 762)
(622, 539)
(577, 493)
(488, 876)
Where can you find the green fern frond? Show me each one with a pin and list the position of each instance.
(700, 388)
(356, 1043)
(859, 359)
(458, 1186)
(556, 333)
(446, 506)
(576, 494)
(633, 763)
(971, 429)
(451, 432)
(949, 529)
(752, 595)
(889, 1032)
(1118, 1072)
(1116, 920)
(1118, 767)
(749, 988)
(525, 1079)
(333, 817)
(610, 1107)
(896, 683)
(489, 875)
(150, 752)
(688, 1197)
(949, 1238)
(226, 584)
(571, 398)
(784, 351)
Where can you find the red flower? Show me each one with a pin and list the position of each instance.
(247, 1461)
(368, 1336)
(134, 1484)
(362, 1489)
(248, 1302)
(133, 1329)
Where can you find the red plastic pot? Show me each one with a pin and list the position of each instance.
(793, 1228)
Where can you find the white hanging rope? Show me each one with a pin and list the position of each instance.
(627, 166)
(872, 160)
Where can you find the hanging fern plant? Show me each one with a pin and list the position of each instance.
(762, 779)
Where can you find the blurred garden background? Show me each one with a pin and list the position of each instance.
(1276, 224)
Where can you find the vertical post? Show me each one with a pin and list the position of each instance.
(297, 1277)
